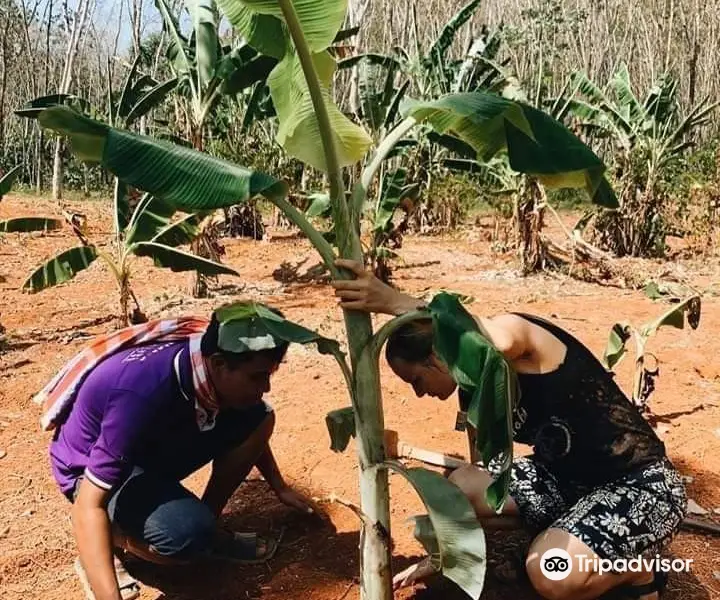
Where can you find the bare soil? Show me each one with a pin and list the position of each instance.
(318, 560)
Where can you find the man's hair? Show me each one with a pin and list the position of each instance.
(413, 342)
(209, 346)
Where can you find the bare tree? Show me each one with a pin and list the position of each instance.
(76, 24)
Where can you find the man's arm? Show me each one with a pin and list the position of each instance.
(93, 535)
(267, 465)
(269, 469)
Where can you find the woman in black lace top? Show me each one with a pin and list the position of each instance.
(598, 484)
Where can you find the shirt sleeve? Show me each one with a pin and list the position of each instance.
(127, 416)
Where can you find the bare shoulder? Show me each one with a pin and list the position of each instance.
(509, 333)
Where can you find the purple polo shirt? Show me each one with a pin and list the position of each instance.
(131, 403)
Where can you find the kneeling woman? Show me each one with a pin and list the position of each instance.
(599, 482)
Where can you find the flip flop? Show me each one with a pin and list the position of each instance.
(128, 585)
(638, 591)
(242, 549)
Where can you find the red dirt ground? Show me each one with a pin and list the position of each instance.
(318, 560)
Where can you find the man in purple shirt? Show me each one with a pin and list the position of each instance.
(137, 428)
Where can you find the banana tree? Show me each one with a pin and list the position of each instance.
(646, 136)
(313, 129)
(150, 232)
(646, 363)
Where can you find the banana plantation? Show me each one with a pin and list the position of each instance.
(226, 178)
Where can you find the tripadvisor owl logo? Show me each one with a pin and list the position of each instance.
(556, 564)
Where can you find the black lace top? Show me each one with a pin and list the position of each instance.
(579, 421)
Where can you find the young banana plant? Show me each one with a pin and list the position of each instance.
(313, 129)
(646, 363)
(149, 232)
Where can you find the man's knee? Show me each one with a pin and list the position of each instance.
(183, 536)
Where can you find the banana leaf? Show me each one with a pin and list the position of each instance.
(184, 178)
(28, 224)
(459, 537)
(482, 371)
(536, 144)
(178, 260)
(61, 268)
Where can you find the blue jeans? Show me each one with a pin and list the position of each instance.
(152, 506)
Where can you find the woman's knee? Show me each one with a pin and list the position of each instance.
(473, 482)
(553, 567)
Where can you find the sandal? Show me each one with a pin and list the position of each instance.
(245, 548)
(657, 586)
(128, 585)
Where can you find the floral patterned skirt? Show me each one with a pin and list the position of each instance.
(635, 515)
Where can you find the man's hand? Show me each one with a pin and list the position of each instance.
(289, 497)
(367, 293)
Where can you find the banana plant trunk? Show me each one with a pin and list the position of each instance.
(375, 574)
(529, 213)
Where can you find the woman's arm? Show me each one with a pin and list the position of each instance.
(368, 294)
(508, 333)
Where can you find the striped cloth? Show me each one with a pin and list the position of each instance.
(59, 394)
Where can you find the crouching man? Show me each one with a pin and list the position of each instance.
(137, 412)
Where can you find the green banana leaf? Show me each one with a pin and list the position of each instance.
(150, 100)
(183, 177)
(151, 216)
(126, 101)
(320, 20)
(320, 205)
(246, 74)
(61, 268)
(237, 319)
(264, 32)
(480, 369)
(616, 347)
(205, 26)
(436, 59)
(178, 260)
(179, 233)
(33, 108)
(180, 60)
(394, 191)
(689, 308)
(536, 144)
(299, 132)
(7, 180)
(460, 537)
(28, 224)
(341, 427)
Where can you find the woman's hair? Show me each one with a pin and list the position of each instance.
(413, 342)
(209, 346)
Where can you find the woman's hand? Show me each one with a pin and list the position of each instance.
(368, 294)
(413, 574)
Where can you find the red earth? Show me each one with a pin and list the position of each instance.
(318, 560)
